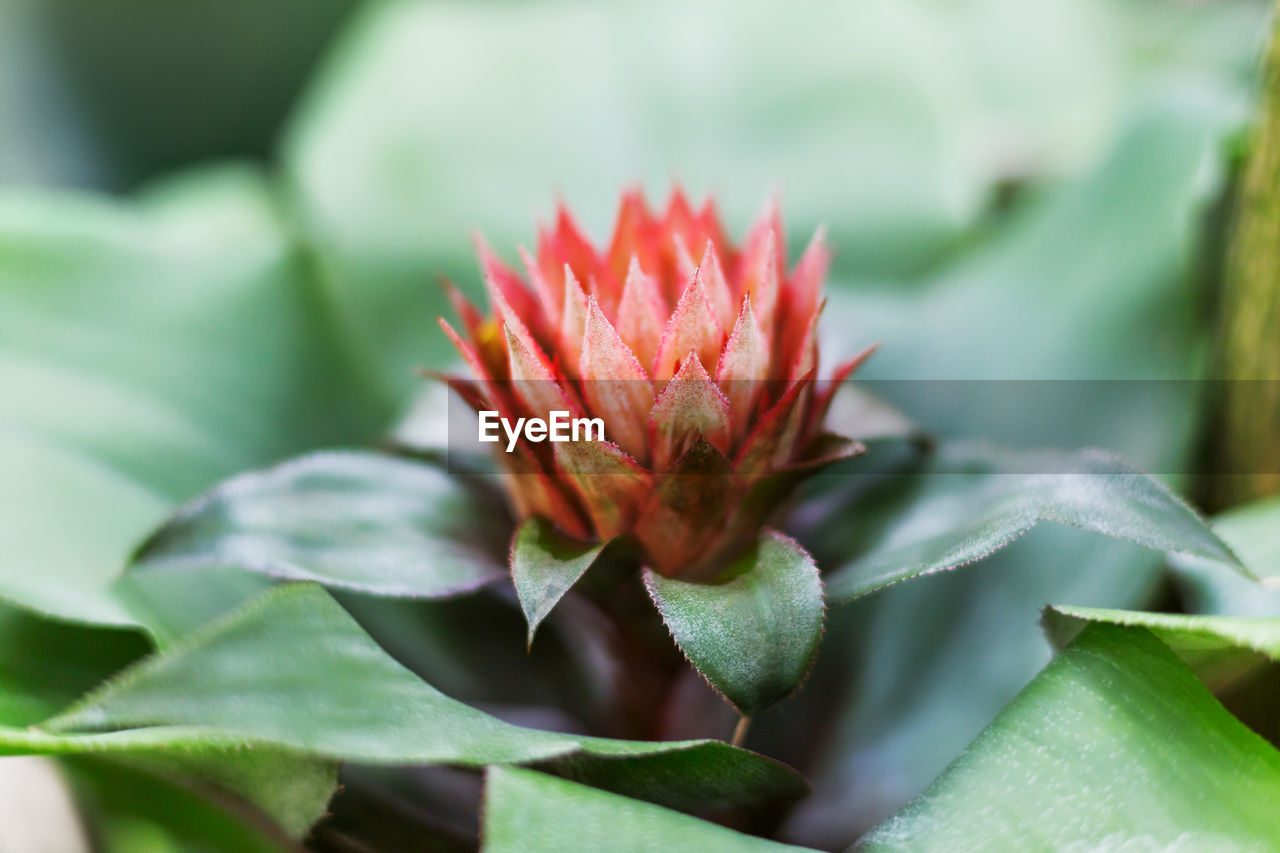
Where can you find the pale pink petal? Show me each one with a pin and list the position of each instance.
(760, 278)
(693, 327)
(573, 324)
(717, 285)
(534, 380)
(744, 369)
(641, 313)
(689, 405)
(616, 387)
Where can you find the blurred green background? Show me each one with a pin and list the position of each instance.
(1014, 190)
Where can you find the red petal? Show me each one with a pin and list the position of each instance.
(635, 236)
(713, 279)
(535, 381)
(641, 313)
(534, 493)
(744, 368)
(469, 354)
(572, 247)
(760, 279)
(615, 385)
(463, 308)
(609, 483)
(774, 436)
(822, 400)
(689, 405)
(679, 222)
(693, 327)
(501, 280)
(549, 297)
(573, 324)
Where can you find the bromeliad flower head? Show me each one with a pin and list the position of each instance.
(699, 358)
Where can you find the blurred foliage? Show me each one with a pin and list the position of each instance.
(1014, 190)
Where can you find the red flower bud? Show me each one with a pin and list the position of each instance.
(702, 372)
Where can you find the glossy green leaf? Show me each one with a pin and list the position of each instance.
(973, 500)
(544, 565)
(292, 669)
(148, 349)
(357, 521)
(530, 812)
(753, 637)
(1115, 745)
(1217, 648)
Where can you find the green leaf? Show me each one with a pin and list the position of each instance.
(1115, 745)
(293, 670)
(137, 809)
(44, 665)
(970, 501)
(925, 666)
(755, 636)
(1217, 648)
(357, 521)
(147, 350)
(528, 811)
(544, 565)
(1253, 532)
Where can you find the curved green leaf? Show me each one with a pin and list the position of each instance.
(293, 670)
(544, 565)
(528, 811)
(357, 521)
(753, 637)
(1215, 647)
(971, 500)
(1115, 745)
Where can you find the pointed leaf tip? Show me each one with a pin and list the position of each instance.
(545, 564)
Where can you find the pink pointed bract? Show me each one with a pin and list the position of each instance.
(699, 356)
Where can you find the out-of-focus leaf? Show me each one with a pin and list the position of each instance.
(137, 811)
(754, 636)
(357, 521)
(1217, 648)
(889, 121)
(164, 84)
(1253, 532)
(528, 811)
(292, 669)
(1115, 745)
(146, 351)
(544, 565)
(44, 665)
(926, 665)
(971, 501)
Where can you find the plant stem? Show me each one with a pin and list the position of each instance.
(740, 730)
(1249, 345)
